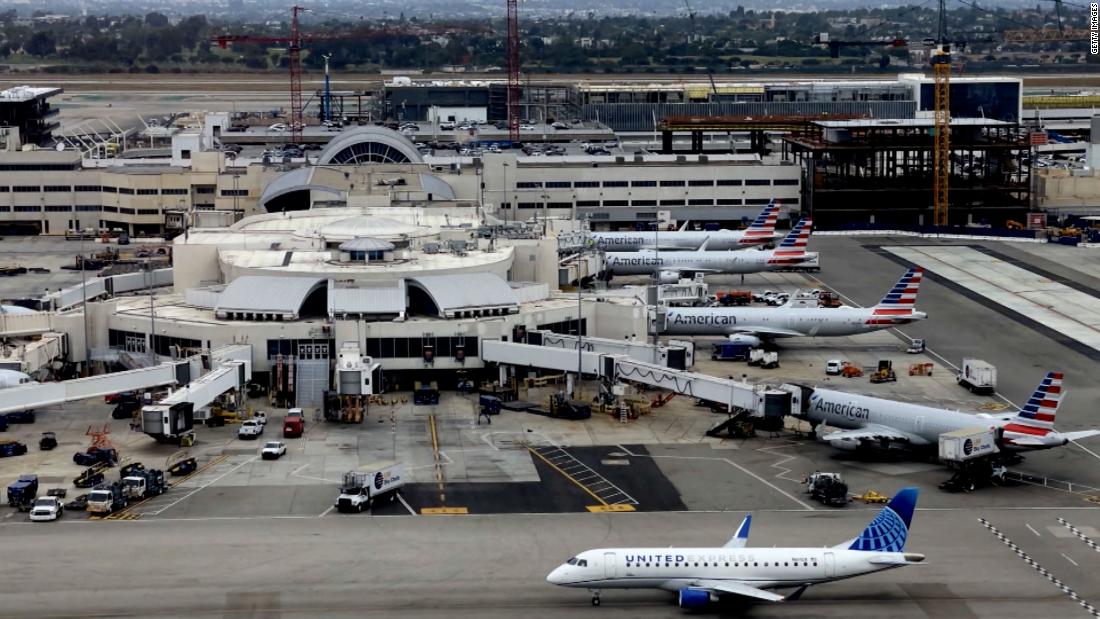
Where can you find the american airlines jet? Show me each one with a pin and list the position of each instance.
(671, 266)
(704, 575)
(761, 231)
(875, 422)
(751, 324)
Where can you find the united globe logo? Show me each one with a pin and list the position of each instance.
(968, 447)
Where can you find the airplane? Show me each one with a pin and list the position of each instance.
(748, 325)
(13, 378)
(761, 231)
(870, 422)
(671, 266)
(703, 575)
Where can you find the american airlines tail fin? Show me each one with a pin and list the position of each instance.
(764, 224)
(798, 237)
(903, 296)
(1036, 418)
(889, 530)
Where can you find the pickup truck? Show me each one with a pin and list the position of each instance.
(294, 424)
(250, 430)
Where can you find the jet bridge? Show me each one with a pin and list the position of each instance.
(38, 395)
(678, 355)
(755, 400)
(172, 417)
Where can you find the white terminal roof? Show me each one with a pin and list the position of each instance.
(910, 122)
(27, 93)
(366, 299)
(267, 295)
(366, 244)
(467, 291)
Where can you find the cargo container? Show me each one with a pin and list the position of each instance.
(967, 444)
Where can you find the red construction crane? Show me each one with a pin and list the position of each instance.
(513, 71)
(294, 49)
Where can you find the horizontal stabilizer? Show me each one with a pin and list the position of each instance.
(1076, 436)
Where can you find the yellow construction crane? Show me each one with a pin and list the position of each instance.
(941, 153)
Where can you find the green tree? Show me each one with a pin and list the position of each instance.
(156, 20)
(41, 43)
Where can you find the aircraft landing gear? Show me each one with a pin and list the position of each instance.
(595, 597)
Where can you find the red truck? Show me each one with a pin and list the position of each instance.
(294, 424)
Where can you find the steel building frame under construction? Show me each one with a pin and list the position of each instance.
(876, 173)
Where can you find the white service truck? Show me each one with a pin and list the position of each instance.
(363, 487)
(978, 376)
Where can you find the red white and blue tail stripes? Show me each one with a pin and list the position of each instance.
(1036, 418)
(792, 250)
(898, 307)
(762, 229)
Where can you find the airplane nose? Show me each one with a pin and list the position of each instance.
(554, 577)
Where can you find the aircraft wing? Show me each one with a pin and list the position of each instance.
(869, 432)
(765, 331)
(732, 587)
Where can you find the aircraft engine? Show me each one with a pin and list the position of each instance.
(694, 598)
(749, 340)
(668, 277)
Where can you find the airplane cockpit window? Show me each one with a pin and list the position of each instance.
(582, 563)
(572, 561)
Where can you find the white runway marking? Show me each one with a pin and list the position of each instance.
(1032, 530)
(1064, 556)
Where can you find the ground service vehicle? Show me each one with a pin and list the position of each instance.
(731, 351)
(833, 367)
(978, 376)
(12, 448)
(250, 430)
(294, 424)
(22, 492)
(827, 488)
(273, 450)
(48, 441)
(46, 509)
(142, 484)
(362, 488)
(95, 455)
(105, 499)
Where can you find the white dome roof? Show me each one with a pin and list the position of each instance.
(369, 226)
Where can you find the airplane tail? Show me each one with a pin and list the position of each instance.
(798, 237)
(889, 530)
(764, 224)
(1036, 418)
(902, 298)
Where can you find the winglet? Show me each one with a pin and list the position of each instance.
(741, 538)
(685, 226)
(889, 530)
(703, 245)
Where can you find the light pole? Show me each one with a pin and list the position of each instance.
(84, 292)
(506, 202)
(152, 314)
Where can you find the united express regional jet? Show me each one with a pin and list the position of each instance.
(700, 576)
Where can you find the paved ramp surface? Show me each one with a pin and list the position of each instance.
(1072, 313)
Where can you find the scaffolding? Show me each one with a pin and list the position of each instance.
(880, 173)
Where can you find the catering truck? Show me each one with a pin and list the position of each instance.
(978, 376)
(365, 486)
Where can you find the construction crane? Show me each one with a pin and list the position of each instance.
(1043, 35)
(294, 51)
(835, 45)
(513, 71)
(941, 153)
(710, 74)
